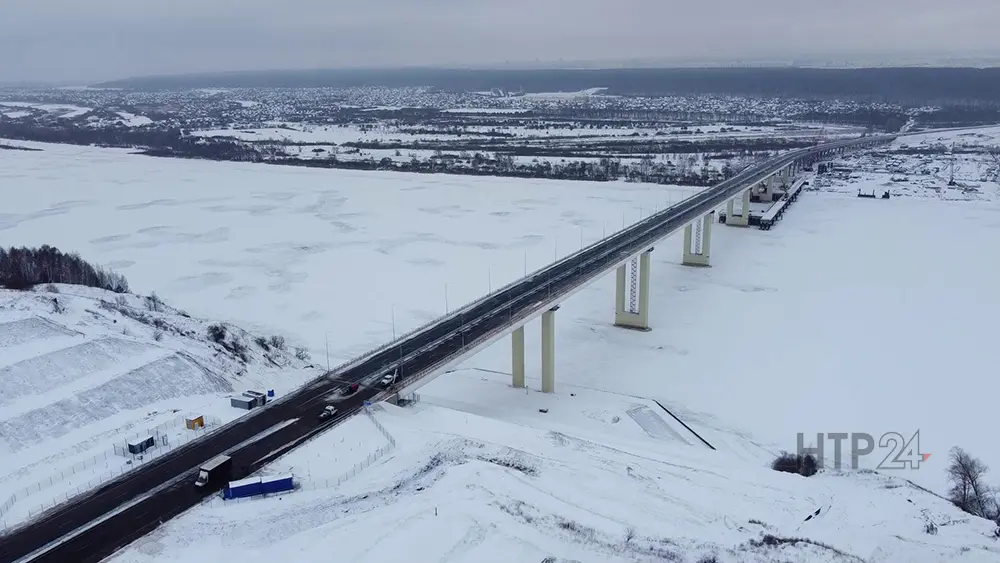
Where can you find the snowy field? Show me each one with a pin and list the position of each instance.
(387, 131)
(464, 488)
(851, 315)
(950, 166)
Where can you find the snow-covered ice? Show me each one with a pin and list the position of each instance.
(319, 254)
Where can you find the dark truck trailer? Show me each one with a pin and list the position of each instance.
(215, 471)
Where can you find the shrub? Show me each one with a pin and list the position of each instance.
(57, 307)
(22, 268)
(302, 354)
(217, 333)
(262, 342)
(154, 303)
(51, 288)
(629, 535)
(121, 301)
(804, 465)
(157, 335)
(278, 342)
(238, 349)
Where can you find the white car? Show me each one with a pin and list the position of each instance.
(389, 378)
(329, 411)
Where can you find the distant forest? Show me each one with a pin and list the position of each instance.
(911, 85)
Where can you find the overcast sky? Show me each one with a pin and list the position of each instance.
(89, 40)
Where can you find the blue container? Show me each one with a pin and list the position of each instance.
(276, 484)
(270, 392)
(242, 488)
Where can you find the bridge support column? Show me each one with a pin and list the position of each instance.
(767, 196)
(549, 350)
(633, 313)
(517, 356)
(698, 241)
(743, 219)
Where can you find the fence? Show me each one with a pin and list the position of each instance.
(7, 505)
(330, 483)
(163, 445)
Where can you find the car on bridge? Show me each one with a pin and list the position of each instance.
(329, 411)
(390, 378)
(349, 390)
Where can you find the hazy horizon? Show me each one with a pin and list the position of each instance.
(64, 41)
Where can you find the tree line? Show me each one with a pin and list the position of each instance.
(22, 268)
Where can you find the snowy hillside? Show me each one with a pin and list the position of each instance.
(84, 371)
(464, 488)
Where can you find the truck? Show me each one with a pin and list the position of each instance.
(253, 486)
(276, 484)
(215, 471)
(243, 488)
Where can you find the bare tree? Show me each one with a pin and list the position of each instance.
(629, 535)
(968, 490)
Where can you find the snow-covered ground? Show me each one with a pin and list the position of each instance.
(952, 165)
(851, 315)
(84, 372)
(389, 131)
(462, 487)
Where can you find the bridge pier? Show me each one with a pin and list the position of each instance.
(517, 356)
(698, 241)
(743, 219)
(633, 314)
(768, 194)
(549, 350)
(548, 353)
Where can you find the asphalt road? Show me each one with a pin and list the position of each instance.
(419, 353)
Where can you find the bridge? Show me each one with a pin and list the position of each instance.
(95, 523)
